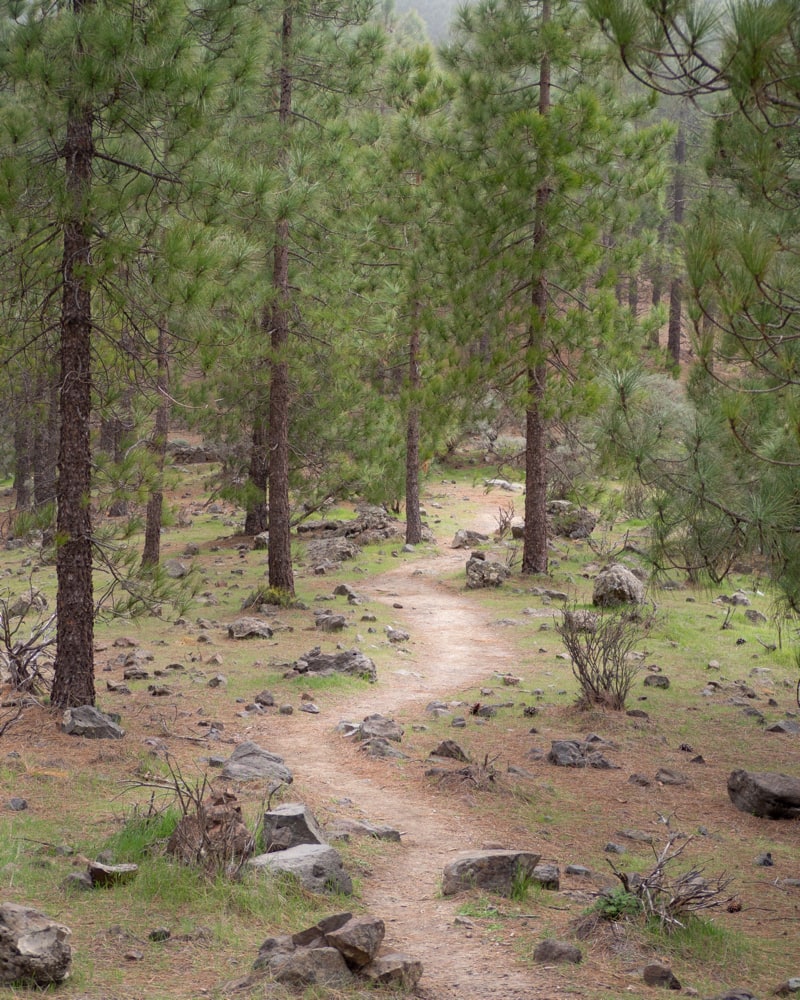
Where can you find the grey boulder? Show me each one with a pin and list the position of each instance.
(317, 867)
(496, 871)
(617, 585)
(249, 762)
(34, 950)
(773, 796)
(87, 721)
(288, 825)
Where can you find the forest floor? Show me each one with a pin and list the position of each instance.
(473, 946)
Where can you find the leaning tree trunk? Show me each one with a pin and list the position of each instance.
(151, 552)
(279, 560)
(73, 681)
(534, 547)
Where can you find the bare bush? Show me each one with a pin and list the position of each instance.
(211, 832)
(504, 516)
(672, 898)
(26, 658)
(600, 645)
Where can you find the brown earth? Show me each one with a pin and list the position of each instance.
(567, 816)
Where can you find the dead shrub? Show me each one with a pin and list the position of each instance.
(670, 897)
(600, 645)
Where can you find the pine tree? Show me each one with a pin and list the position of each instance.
(290, 197)
(548, 156)
(92, 93)
(408, 241)
(741, 248)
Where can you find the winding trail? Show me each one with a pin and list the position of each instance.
(453, 646)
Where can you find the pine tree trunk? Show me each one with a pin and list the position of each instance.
(534, 549)
(23, 448)
(413, 515)
(281, 576)
(256, 517)
(657, 291)
(110, 432)
(674, 329)
(73, 681)
(676, 285)
(151, 552)
(633, 295)
(46, 443)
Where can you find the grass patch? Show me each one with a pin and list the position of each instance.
(140, 836)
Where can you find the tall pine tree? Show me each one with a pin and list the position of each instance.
(549, 169)
(94, 95)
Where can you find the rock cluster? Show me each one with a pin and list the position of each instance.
(295, 845)
(351, 661)
(485, 573)
(335, 952)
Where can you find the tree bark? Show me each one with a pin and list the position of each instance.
(676, 285)
(633, 295)
(413, 515)
(46, 441)
(151, 552)
(280, 573)
(534, 550)
(73, 682)
(257, 513)
(23, 446)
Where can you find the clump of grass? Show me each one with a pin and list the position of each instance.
(698, 938)
(618, 904)
(521, 884)
(142, 835)
(273, 596)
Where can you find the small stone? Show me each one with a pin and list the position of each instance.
(666, 776)
(787, 988)
(656, 974)
(17, 804)
(547, 876)
(309, 707)
(104, 875)
(551, 950)
(765, 860)
(286, 710)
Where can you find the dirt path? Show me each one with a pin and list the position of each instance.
(453, 646)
